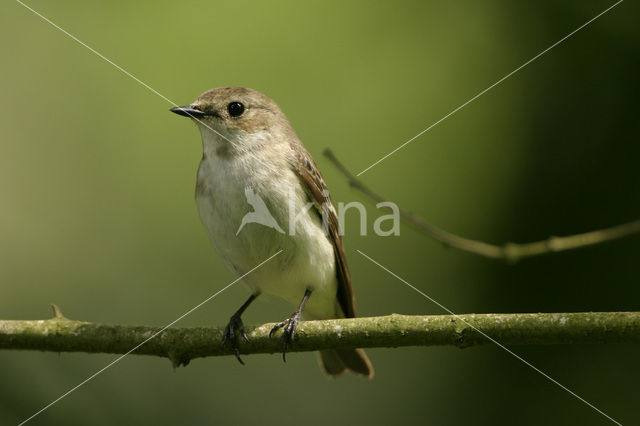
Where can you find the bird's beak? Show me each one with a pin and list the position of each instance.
(188, 111)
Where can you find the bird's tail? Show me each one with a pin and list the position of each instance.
(337, 361)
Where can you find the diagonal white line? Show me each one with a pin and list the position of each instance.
(99, 54)
(491, 87)
(145, 341)
(127, 73)
(491, 339)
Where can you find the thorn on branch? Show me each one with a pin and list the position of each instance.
(57, 313)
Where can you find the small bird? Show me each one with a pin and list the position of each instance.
(249, 147)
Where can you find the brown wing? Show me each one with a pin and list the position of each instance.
(314, 184)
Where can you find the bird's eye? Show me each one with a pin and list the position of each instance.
(235, 109)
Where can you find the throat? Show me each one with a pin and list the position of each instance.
(222, 150)
(214, 145)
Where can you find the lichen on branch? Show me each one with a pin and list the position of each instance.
(180, 345)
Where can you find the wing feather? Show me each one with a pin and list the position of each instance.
(314, 184)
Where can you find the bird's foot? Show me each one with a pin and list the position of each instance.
(288, 331)
(234, 328)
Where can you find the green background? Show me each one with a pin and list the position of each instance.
(97, 211)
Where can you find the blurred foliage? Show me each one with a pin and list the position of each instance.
(97, 211)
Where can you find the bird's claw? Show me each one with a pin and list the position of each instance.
(234, 328)
(288, 326)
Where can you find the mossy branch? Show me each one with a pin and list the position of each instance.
(180, 345)
(510, 252)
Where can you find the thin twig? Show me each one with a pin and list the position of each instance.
(511, 252)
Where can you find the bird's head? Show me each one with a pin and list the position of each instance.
(237, 115)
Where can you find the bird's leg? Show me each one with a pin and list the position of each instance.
(290, 324)
(235, 327)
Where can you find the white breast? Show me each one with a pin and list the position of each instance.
(307, 259)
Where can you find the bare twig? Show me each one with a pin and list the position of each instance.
(511, 252)
(180, 345)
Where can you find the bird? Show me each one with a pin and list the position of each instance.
(248, 145)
